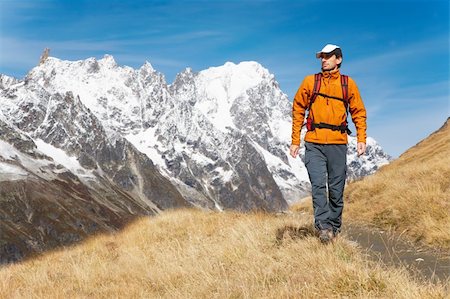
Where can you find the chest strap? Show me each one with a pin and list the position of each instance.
(310, 124)
(343, 127)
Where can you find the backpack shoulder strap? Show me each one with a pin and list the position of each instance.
(317, 82)
(344, 85)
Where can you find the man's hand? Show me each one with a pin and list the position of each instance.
(294, 150)
(360, 148)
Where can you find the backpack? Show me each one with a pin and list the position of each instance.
(310, 124)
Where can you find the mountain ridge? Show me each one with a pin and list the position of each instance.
(242, 97)
(134, 145)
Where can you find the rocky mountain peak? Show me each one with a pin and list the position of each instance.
(193, 130)
(6, 81)
(147, 67)
(95, 144)
(108, 61)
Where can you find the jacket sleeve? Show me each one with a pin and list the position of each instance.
(357, 111)
(299, 106)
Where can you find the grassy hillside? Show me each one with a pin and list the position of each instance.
(411, 195)
(197, 254)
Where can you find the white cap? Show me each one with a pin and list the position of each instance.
(327, 49)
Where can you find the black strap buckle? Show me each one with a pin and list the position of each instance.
(343, 128)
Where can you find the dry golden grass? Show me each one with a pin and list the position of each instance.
(411, 195)
(198, 254)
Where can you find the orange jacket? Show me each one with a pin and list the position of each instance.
(328, 110)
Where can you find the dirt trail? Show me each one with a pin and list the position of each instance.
(393, 250)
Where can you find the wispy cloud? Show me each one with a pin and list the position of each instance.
(157, 61)
(403, 130)
(194, 35)
(401, 67)
(373, 63)
(17, 54)
(22, 54)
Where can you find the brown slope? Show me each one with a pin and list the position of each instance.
(201, 254)
(37, 215)
(410, 195)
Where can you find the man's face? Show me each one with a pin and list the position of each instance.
(330, 62)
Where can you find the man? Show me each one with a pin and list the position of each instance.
(327, 96)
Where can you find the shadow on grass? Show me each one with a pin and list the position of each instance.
(290, 232)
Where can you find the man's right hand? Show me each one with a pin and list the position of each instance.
(294, 150)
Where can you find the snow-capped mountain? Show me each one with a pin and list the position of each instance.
(221, 136)
(6, 81)
(374, 158)
(88, 145)
(49, 197)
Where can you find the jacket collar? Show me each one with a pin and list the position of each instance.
(331, 74)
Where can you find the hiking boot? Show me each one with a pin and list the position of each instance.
(335, 237)
(326, 235)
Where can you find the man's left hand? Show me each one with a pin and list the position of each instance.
(361, 148)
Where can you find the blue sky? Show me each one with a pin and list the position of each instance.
(396, 50)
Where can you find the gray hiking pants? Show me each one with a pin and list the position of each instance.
(327, 166)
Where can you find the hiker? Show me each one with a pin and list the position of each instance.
(327, 96)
